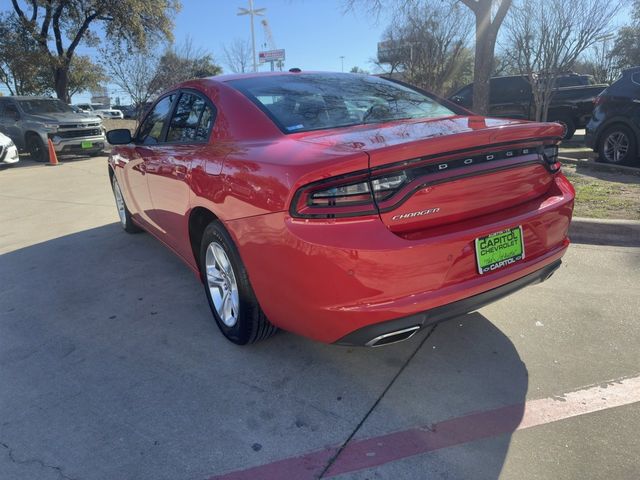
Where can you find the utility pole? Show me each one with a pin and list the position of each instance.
(252, 12)
(342, 63)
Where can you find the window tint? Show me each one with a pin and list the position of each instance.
(10, 110)
(43, 105)
(191, 120)
(509, 89)
(303, 102)
(466, 94)
(151, 130)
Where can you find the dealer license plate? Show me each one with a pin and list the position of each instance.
(499, 249)
(86, 144)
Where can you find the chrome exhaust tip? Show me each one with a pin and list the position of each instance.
(393, 337)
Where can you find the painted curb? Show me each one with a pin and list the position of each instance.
(624, 233)
(599, 167)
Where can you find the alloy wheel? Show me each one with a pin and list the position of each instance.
(119, 203)
(221, 281)
(616, 147)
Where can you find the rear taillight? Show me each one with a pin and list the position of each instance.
(598, 100)
(345, 197)
(549, 154)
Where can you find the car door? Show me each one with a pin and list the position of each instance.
(186, 141)
(510, 97)
(141, 160)
(10, 122)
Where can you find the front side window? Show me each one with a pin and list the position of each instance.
(44, 105)
(9, 110)
(191, 121)
(299, 103)
(151, 130)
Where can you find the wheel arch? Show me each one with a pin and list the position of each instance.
(199, 218)
(30, 133)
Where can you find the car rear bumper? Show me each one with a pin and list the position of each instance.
(392, 331)
(328, 279)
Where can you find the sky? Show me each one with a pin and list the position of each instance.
(314, 33)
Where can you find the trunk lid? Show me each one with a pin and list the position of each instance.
(450, 169)
(487, 166)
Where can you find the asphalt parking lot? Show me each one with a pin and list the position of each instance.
(111, 367)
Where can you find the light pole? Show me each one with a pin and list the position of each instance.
(342, 63)
(252, 12)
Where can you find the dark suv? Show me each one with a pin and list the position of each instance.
(511, 97)
(614, 129)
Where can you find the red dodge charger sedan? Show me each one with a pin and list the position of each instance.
(346, 208)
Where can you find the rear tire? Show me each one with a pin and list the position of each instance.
(38, 151)
(618, 146)
(123, 212)
(231, 298)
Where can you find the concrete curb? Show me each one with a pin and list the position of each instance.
(624, 233)
(599, 167)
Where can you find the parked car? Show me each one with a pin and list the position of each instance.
(298, 209)
(128, 111)
(511, 97)
(31, 121)
(99, 110)
(614, 129)
(8, 151)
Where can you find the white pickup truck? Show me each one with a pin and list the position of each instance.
(99, 110)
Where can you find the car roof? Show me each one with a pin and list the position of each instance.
(626, 71)
(238, 76)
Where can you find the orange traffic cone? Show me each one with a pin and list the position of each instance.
(53, 158)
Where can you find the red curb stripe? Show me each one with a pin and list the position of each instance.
(376, 451)
(303, 467)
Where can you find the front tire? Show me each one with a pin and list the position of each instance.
(38, 151)
(228, 290)
(123, 212)
(618, 146)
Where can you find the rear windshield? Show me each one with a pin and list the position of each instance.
(41, 105)
(299, 103)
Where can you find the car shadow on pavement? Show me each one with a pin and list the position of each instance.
(111, 367)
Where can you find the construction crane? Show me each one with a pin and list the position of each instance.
(270, 44)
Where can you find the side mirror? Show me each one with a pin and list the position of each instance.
(119, 136)
(457, 99)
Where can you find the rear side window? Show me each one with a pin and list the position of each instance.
(191, 120)
(627, 86)
(509, 89)
(151, 130)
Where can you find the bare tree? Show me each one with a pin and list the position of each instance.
(132, 71)
(546, 37)
(600, 62)
(238, 56)
(489, 15)
(428, 43)
(184, 62)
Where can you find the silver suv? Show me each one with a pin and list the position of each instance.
(31, 121)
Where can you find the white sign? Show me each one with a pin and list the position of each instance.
(271, 56)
